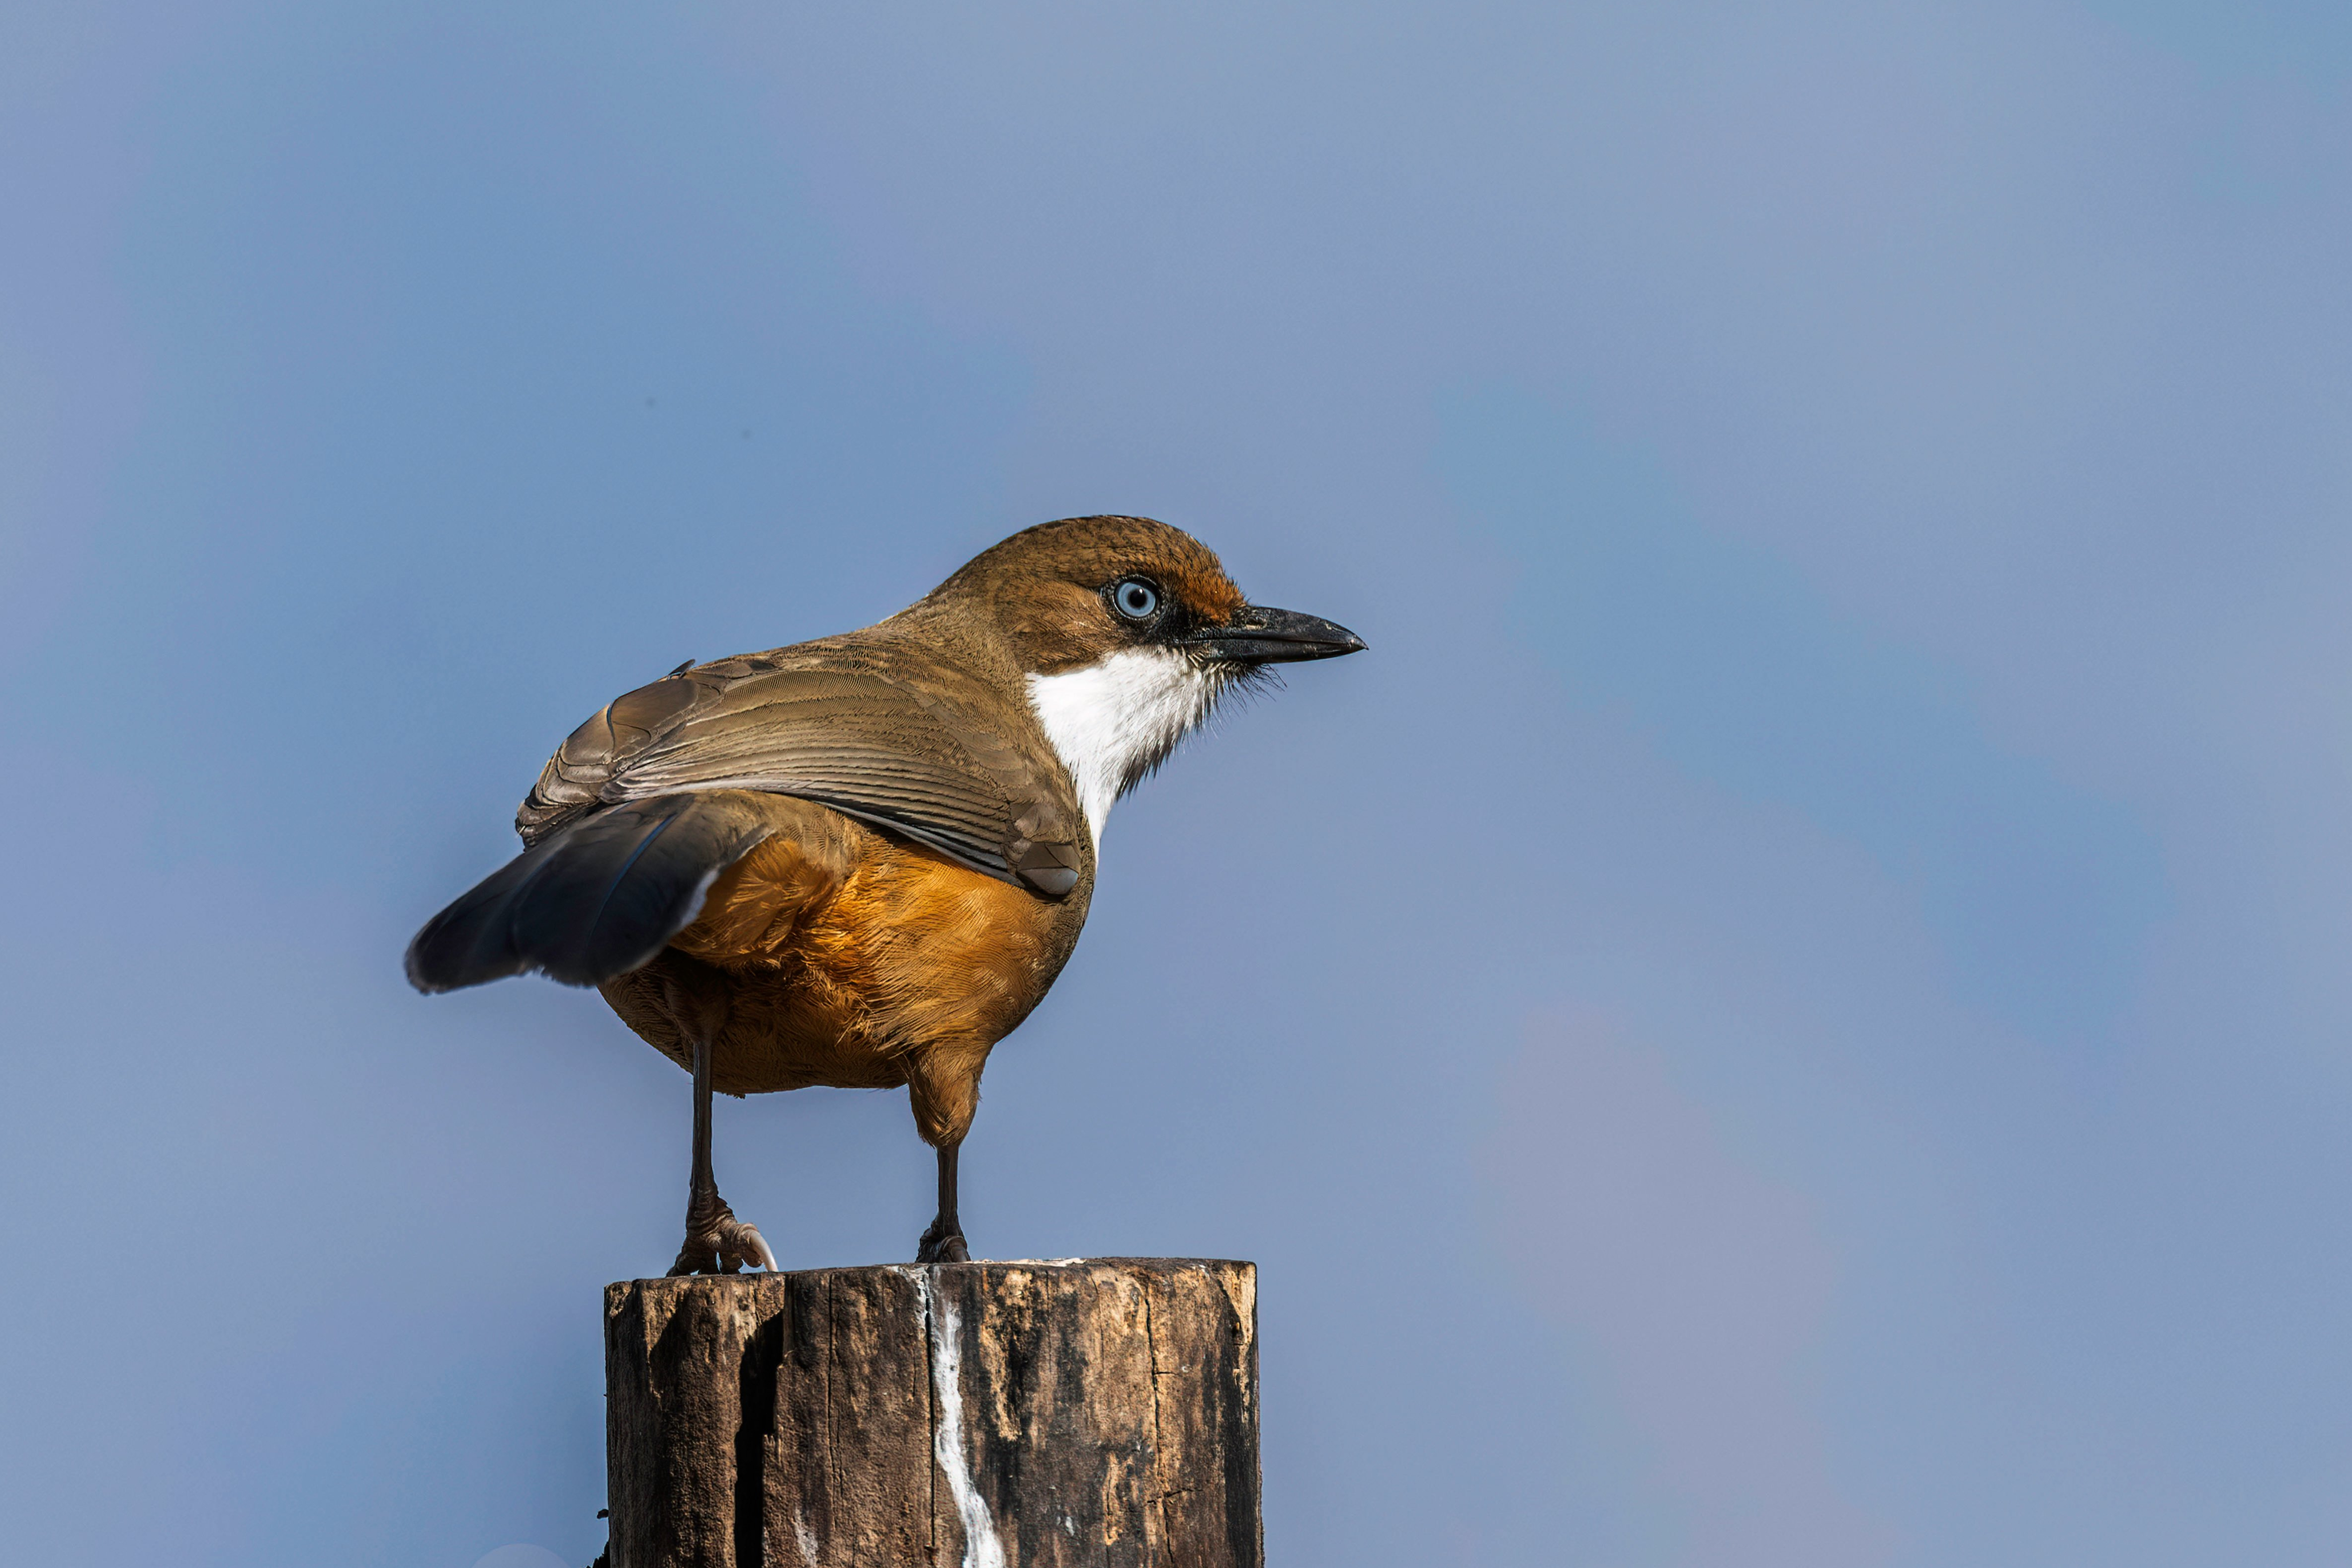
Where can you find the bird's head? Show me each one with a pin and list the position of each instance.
(1126, 632)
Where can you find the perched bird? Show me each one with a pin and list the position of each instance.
(860, 861)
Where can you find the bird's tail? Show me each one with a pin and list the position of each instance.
(591, 902)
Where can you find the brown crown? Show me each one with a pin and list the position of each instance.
(1044, 586)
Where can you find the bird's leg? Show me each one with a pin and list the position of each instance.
(716, 1241)
(943, 1243)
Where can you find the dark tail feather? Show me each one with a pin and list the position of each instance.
(594, 900)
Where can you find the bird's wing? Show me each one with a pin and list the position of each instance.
(882, 735)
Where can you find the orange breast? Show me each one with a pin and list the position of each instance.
(844, 950)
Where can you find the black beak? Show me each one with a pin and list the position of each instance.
(1260, 635)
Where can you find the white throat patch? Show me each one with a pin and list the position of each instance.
(1113, 722)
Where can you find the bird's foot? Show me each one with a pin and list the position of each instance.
(719, 1243)
(943, 1243)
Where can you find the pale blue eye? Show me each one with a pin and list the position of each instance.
(1136, 599)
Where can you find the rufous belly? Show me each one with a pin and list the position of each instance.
(849, 959)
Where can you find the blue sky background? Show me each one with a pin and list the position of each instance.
(1825, 1039)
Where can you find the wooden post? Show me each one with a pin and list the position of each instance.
(1097, 1411)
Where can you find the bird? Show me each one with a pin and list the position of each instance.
(860, 861)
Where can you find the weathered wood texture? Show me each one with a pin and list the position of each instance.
(1098, 1411)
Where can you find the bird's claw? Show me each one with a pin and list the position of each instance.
(719, 1243)
(943, 1244)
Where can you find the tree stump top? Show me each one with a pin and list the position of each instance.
(994, 1414)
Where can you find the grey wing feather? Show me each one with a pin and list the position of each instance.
(594, 899)
(853, 739)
